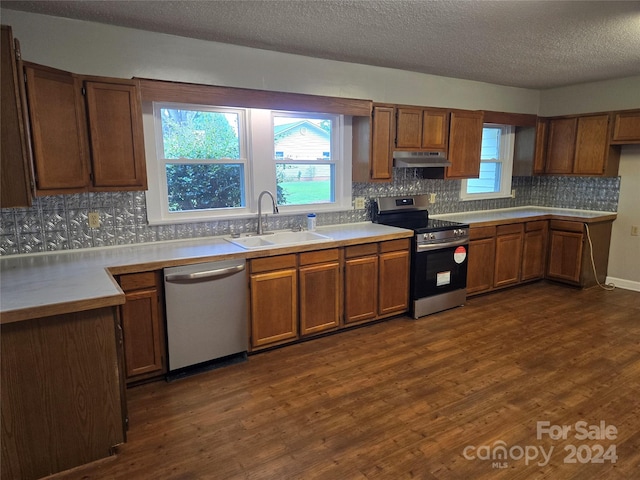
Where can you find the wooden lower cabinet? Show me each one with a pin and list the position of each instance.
(505, 255)
(393, 282)
(361, 288)
(143, 326)
(565, 256)
(319, 297)
(534, 250)
(482, 246)
(274, 307)
(508, 255)
(62, 401)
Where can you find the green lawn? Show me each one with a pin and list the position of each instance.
(307, 192)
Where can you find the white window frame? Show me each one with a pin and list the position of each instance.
(260, 173)
(507, 142)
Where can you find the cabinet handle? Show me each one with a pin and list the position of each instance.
(204, 275)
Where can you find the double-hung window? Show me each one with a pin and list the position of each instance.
(496, 164)
(208, 162)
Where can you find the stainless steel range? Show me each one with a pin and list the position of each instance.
(439, 257)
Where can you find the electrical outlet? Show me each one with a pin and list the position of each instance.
(359, 203)
(432, 198)
(635, 230)
(94, 220)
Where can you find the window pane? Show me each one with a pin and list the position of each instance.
(199, 135)
(204, 186)
(300, 184)
(490, 144)
(298, 138)
(489, 180)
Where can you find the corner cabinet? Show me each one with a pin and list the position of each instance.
(143, 326)
(86, 132)
(465, 141)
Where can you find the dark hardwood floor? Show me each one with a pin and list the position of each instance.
(408, 398)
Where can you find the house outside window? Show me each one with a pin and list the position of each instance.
(496, 165)
(207, 162)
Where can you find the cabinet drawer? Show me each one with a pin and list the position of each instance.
(137, 281)
(509, 229)
(394, 245)
(273, 263)
(538, 225)
(566, 226)
(361, 250)
(320, 256)
(481, 232)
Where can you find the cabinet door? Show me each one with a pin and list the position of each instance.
(117, 143)
(14, 159)
(626, 127)
(540, 149)
(480, 265)
(465, 141)
(319, 297)
(382, 136)
(393, 282)
(533, 254)
(561, 145)
(508, 257)
(58, 128)
(592, 144)
(361, 288)
(409, 128)
(141, 325)
(274, 307)
(435, 129)
(565, 256)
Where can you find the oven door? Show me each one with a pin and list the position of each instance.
(439, 269)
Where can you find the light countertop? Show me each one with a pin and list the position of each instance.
(525, 214)
(38, 285)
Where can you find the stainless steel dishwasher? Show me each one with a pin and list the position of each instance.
(206, 308)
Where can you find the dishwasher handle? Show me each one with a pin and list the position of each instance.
(203, 275)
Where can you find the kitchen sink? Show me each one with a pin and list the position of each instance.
(277, 239)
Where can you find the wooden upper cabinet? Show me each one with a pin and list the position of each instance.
(435, 129)
(561, 145)
(15, 157)
(592, 143)
(58, 128)
(465, 141)
(117, 142)
(626, 127)
(540, 147)
(422, 128)
(382, 131)
(409, 128)
(85, 144)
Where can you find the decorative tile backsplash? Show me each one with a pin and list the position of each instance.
(61, 222)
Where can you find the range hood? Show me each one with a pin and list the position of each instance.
(420, 159)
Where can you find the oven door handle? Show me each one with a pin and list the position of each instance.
(440, 246)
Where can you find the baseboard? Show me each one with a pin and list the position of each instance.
(624, 284)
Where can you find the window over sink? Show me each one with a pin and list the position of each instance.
(496, 164)
(208, 162)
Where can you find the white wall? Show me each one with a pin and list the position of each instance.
(97, 49)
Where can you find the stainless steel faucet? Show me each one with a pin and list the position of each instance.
(275, 209)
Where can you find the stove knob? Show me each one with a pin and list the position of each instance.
(432, 236)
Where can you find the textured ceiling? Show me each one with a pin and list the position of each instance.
(532, 44)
